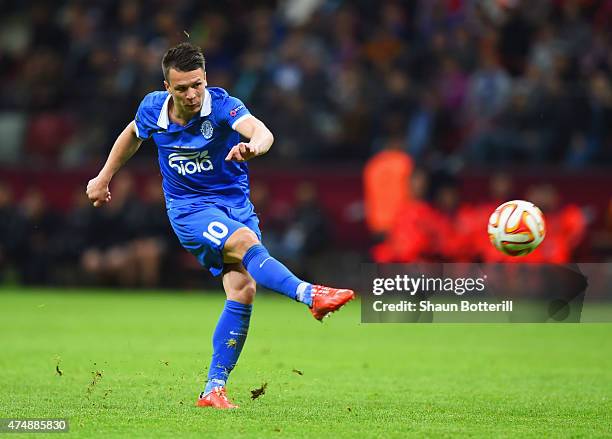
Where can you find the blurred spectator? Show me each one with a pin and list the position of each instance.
(592, 144)
(422, 125)
(73, 237)
(151, 237)
(298, 234)
(37, 250)
(308, 232)
(272, 214)
(489, 92)
(565, 226)
(12, 232)
(386, 179)
(602, 238)
(110, 259)
(515, 133)
(412, 233)
(48, 133)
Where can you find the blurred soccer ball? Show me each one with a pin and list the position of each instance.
(516, 228)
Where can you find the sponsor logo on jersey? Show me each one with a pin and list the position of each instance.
(190, 162)
(235, 111)
(207, 129)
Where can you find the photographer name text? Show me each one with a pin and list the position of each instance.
(428, 306)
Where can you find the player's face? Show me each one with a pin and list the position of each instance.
(187, 89)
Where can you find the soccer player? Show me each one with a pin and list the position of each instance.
(202, 160)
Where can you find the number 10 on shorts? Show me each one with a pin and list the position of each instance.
(216, 232)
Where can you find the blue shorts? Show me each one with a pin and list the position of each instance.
(203, 229)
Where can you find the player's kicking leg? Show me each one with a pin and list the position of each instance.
(229, 336)
(247, 262)
(243, 245)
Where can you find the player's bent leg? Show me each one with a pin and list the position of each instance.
(244, 246)
(267, 271)
(230, 335)
(238, 284)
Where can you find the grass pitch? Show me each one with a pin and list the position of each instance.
(132, 365)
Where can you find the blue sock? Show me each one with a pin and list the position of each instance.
(228, 339)
(273, 275)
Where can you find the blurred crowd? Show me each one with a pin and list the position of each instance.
(123, 244)
(413, 214)
(479, 80)
(425, 218)
(129, 242)
(431, 84)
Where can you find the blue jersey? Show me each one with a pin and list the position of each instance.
(192, 157)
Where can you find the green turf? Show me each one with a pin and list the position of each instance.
(389, 380)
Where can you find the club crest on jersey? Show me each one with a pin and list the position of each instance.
(207, 129)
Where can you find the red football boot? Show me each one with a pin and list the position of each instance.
(217, 399)
(326, 300)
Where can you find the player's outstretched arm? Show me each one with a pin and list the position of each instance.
(125, 146)
(260, 140)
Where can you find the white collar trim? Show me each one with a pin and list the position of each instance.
(163, 119)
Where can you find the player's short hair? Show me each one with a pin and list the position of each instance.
(184, 57)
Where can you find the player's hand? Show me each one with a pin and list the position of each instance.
(242, 152)
(98, 192)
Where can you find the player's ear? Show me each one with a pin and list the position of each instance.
(205, 83)
(167, 86)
